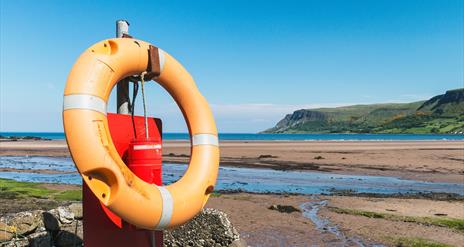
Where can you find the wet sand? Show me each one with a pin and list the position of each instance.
(436, 161)
(260, 226)
(410, 219)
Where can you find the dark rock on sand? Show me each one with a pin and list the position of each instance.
(267, 156)
(28, 138)
(284, 208)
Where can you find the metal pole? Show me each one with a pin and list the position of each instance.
(122, 27)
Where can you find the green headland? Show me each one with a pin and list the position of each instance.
(441, 114)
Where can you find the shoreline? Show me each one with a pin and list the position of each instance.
(431, 161)
(439, 196)
(434, 196)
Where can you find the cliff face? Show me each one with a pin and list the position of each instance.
(440, 114)
(299, 117)
(452, 102)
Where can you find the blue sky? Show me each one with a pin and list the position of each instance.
(254, 61)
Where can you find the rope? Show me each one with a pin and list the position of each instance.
(134, 95)
(142, 79)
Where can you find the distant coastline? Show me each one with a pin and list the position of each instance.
(267, 137)
(442, 114)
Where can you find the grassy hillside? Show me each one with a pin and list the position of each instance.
(440, 114)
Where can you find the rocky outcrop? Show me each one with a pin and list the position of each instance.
(25, 138)
(301, 116)
(284, 208)
(450, 102)
(297, 117)
(209, 228)
(62, 226)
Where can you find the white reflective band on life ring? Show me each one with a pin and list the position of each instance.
(147, 146)
(205, 139)
(168, 206)
(162, 59)
(85, 102)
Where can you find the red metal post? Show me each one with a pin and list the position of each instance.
(144, 157)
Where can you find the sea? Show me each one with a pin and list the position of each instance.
(277, 137)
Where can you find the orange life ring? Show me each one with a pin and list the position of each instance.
(86, 95)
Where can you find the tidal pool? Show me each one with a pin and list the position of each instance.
(245, 179)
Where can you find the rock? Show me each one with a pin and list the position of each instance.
(40, 239)
(50, 221)
(62, 227)
(267, 156)
(16, 242)
(24, 222)
(210, 227)
(6, 232)
(5, 236)
(66, 216)
(65, 238)
(284, 208)
(74, 228)
(76, 209)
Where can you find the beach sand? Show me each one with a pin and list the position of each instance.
(436, 161)
(261, 226)
(258, 225)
